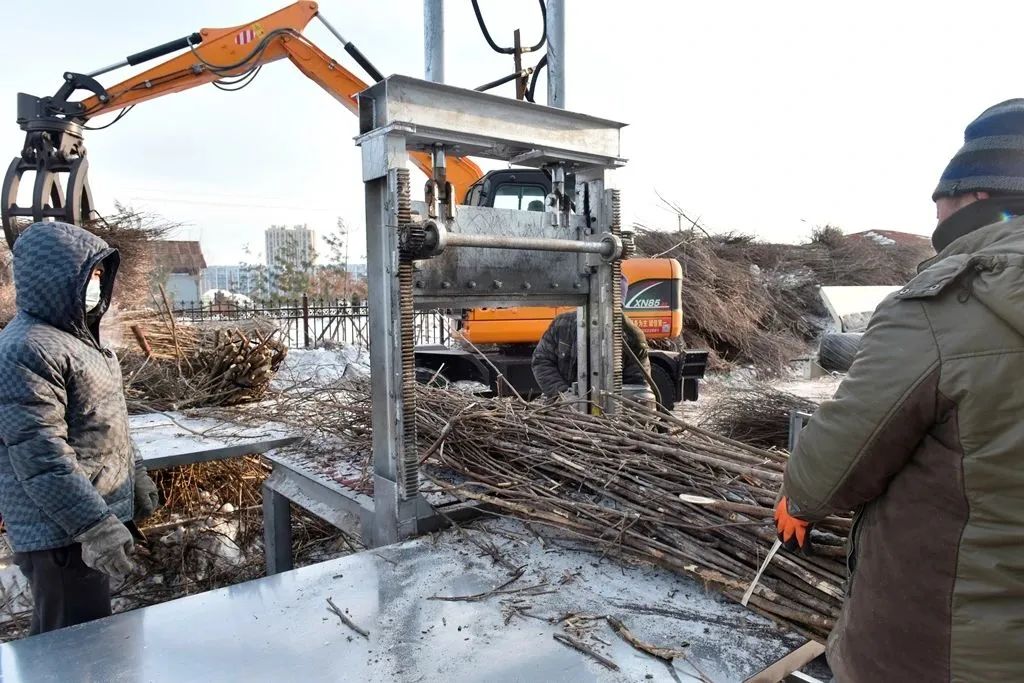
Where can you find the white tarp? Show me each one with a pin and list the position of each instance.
(851, 307)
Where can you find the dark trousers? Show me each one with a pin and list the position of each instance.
(65, 591)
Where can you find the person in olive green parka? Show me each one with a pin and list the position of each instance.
(925, 441)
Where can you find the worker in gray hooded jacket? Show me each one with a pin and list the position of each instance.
(69, 475)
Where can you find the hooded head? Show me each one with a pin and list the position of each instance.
(53, 264)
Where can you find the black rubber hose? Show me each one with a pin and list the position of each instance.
(511, 50)
(542, 64)
(494, 84)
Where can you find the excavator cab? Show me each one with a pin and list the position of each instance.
(522, 189)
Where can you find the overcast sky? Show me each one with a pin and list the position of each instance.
(767, 118)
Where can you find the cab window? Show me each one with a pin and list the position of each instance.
(474, 195)
(520, 197)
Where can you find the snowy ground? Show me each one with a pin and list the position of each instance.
(322, 366)
(715, 386)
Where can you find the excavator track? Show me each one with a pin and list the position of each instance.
(409, 475)
(616, 229)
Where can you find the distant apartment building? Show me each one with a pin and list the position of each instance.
(241, 279)
(295, 246)
(357, 270)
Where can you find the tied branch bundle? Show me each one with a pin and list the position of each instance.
(614, 482)
(177, 365)
(758, 416)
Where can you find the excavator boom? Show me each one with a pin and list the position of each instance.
(225, 57)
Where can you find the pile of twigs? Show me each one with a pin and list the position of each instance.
(613, 482)
(758, 303)
(758, 416)
(178, 365)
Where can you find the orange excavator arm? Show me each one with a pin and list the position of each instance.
(226, 53)
(236, 52)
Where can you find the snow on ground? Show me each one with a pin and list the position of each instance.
(718, 385)
(14, 591)
(322, 366)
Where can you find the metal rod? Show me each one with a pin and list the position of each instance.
(330, 27)
(556, 53)
(108, 69)
(517, 56)
(456, 239)
(433, 40)
(503, 80)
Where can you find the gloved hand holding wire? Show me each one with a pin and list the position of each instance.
(793, 532)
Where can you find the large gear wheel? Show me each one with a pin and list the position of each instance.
(412, 240)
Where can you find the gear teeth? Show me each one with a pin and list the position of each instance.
(413, 238)
(628, 245)
(616, 229)
(409, 475)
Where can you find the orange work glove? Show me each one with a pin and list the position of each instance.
(794, 533)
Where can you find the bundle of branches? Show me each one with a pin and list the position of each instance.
(7, 305)
(613, 482)
(180, 365)
(758, 416)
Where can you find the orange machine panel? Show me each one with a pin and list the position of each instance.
(653, 302)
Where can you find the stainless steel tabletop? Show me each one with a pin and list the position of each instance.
(279, 628)
(170, 439)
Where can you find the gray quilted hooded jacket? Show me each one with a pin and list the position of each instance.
(66, 457)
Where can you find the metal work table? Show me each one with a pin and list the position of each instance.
(279, 628)
(171, 439)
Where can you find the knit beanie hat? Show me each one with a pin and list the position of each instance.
(992, 158)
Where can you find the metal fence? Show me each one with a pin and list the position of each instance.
(313, 322)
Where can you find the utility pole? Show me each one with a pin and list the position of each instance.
(433, 40)
(556, 53)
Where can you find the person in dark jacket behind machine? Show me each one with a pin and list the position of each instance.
(554, 359)
(70, 477)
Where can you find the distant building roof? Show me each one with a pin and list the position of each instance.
(891, 237)
(178, 256)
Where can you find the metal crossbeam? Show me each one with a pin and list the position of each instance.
(470, 123)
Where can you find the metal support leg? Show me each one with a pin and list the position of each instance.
(598, 340)
(385, 357)
(277, 531)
